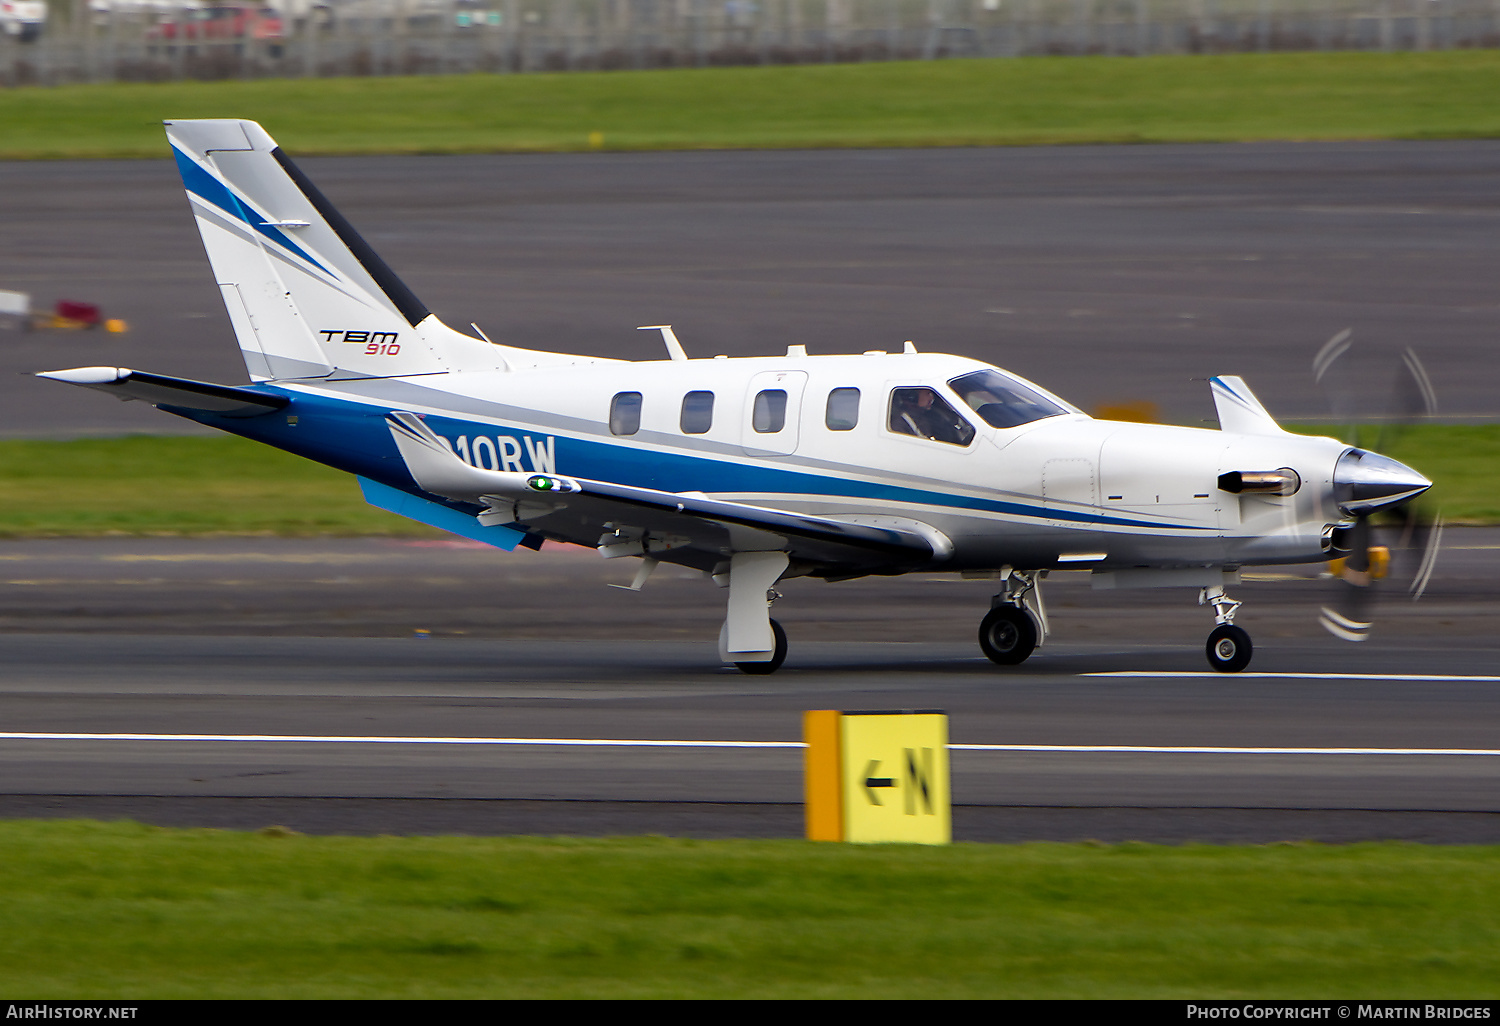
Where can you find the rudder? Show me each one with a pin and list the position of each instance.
(307, 296)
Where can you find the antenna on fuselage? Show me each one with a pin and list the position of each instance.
(674, 347)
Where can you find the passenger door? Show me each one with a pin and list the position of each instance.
(771, 422)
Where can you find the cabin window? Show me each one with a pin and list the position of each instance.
(1003, 401)
(697, 412)
(843, 409)
(625, 413)
(924, 413)
(769, 415)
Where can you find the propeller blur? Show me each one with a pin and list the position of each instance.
(1366, 483)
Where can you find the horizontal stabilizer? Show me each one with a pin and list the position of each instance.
(160, 390)
(435, 467)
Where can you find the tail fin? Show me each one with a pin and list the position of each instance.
(307, 296)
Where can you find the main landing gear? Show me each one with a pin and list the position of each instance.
(1007, 635)
(778, 655)
(750, 639)
(1229, 647)
(1017, 622)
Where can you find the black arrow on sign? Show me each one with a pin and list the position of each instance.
(873, 782)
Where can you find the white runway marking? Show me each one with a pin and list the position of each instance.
(1208, 750)
(376, 740)
(639, 743)
(1209, 674)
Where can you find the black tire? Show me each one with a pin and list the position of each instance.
(1229, 648)
(774, 663)
(1007, 635)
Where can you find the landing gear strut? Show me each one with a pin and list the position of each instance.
(1016, 623)
(1229, 647)
(750, 639)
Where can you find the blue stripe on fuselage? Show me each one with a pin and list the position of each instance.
(351, 435)
(204, 185)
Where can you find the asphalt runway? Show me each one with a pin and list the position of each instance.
(205, 644)
(1108, 274)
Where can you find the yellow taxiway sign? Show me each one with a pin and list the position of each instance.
(877, 777)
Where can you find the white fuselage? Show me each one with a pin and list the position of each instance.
(1062, 491)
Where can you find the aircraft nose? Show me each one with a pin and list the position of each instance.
(1366, 481)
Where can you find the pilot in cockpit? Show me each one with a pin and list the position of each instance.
(922, 412)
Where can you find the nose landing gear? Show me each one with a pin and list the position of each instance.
(1228, 647)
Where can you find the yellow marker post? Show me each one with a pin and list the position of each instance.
(821, 775)
(878, 777)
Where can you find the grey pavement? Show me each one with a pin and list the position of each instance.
(1108, 274)
(381, 638)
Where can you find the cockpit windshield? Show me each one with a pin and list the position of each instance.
(1002, 401)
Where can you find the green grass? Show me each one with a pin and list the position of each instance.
(1452, 94)
(148, 484)
(1463, 462)
(122, 910)
(1460, 460)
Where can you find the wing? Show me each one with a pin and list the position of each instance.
(688, 528)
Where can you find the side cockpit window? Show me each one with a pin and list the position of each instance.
(625, 413)
(922, 412)
(1002, 401)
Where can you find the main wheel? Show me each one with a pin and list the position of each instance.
(1229, 648)
(777, 658)
(1007, 635)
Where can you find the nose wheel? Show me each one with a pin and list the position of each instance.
(1228, 647)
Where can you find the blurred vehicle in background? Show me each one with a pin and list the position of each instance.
(219, 23)
(23, 20)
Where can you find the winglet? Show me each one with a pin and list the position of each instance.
(1239, 411)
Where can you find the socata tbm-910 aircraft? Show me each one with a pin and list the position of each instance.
(750, 470)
